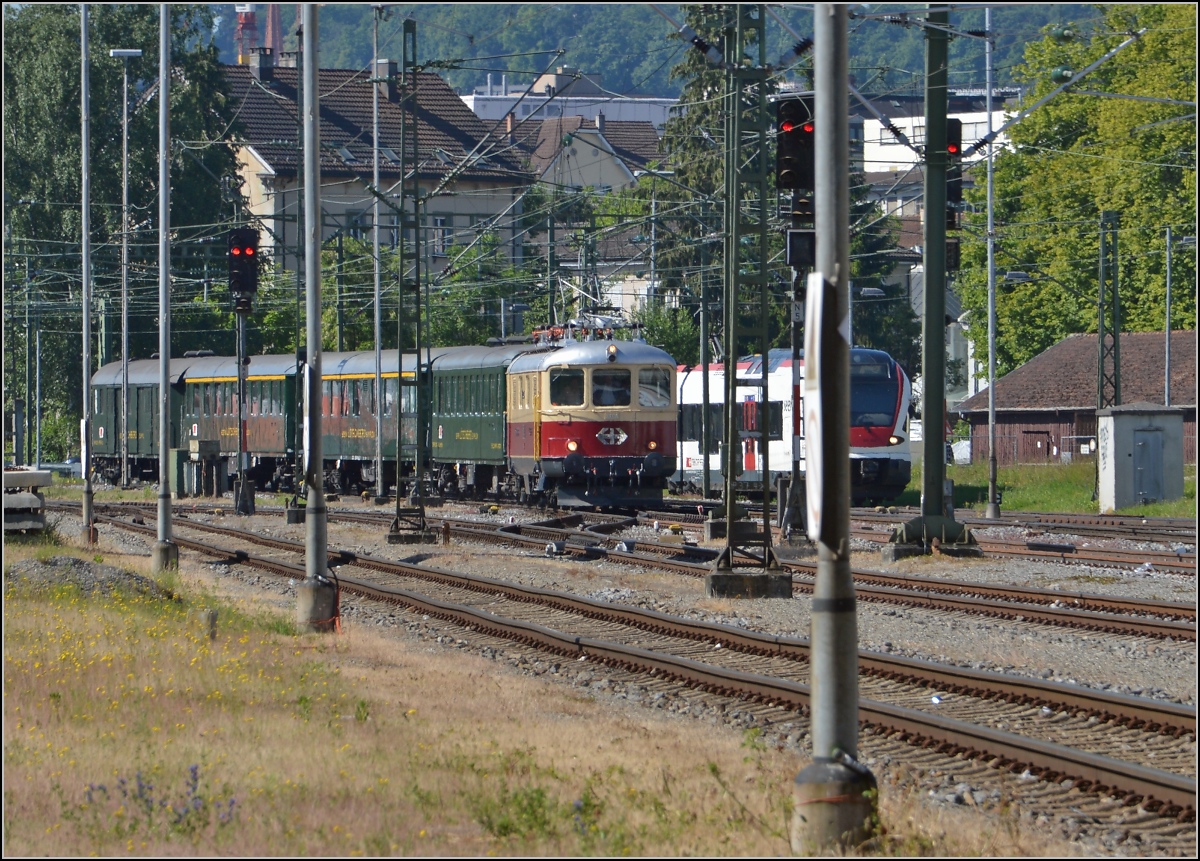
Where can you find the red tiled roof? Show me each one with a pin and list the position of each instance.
(447, 130)
(1065, 376)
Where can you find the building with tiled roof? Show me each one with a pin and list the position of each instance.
(468, 160)
(577, 153)
(1046, 408)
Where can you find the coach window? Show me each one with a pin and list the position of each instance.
(566, 387)
(327, 397)
(354, 405)
(654, 387)
(195, 400)
(611, 388)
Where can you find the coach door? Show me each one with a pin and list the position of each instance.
(536, 380)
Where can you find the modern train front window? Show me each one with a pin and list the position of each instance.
(654, 387)
(874, 396)
(611, 388)
(566, 387)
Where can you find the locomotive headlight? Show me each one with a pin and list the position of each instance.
(572, 445)
(895, 440)
(612, 352)
(652, 445)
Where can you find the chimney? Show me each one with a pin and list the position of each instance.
(386, 69)
(504, 85)
(262, 64)
(509, 127)
(600, 122)
(489, 88)
(287, 59)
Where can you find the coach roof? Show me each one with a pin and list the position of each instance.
(225, 367)
(476, 358)
(142, 372)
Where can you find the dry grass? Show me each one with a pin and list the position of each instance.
(261, 742)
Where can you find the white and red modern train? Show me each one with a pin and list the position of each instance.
(880, 396)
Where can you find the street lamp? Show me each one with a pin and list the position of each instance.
(126, 54)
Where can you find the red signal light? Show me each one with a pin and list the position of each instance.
(952, 149)
(249, 251)
(789, 126)
(235, 251)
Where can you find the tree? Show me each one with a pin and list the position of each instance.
(672, 329)
(889, 323)
(1076, 157)
(42, 178)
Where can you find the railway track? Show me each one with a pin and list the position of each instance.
(1179, 561)
(588, 536)
(1161, 619)
(1072, 738)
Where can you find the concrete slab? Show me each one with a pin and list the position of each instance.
(747, 584)
(427, 536)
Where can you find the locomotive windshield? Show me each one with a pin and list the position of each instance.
(654, 387)
(611, 388)
(566, 388)
(873, 400)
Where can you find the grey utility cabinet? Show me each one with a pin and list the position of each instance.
(1140, 451)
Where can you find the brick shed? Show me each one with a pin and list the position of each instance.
(1046, 409)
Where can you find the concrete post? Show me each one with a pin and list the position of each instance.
(85, 425)
(166, 552)
(316, 596)
(834, 796)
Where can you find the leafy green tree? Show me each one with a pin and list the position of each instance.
(42, 179)
(1078, 156)
(673, 329)
(888, 323)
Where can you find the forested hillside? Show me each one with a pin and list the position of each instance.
(631, 48)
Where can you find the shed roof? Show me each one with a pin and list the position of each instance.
(1064, 376)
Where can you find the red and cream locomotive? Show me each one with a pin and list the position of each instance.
(593, 420)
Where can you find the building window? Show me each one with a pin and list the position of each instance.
(443, 235)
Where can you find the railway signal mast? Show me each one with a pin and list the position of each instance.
(243, 287)
(795, 171)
